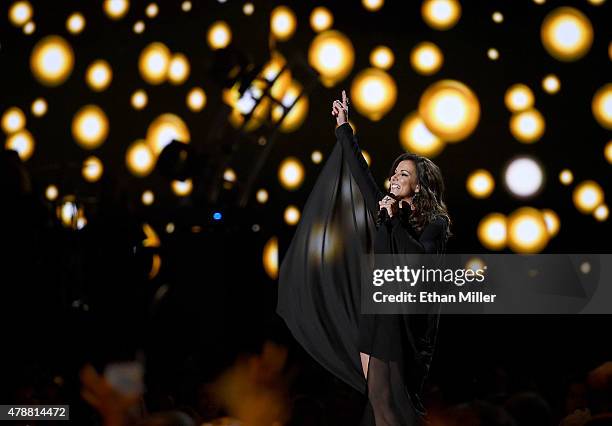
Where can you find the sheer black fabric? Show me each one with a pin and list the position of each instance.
(320, 289)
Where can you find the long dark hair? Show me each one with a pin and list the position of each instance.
(429, 201)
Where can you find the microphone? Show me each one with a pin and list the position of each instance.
(383, 215)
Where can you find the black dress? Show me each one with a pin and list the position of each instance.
(320, 289)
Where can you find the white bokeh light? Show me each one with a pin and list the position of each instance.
(524, 177)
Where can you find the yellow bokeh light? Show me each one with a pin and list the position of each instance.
(29, 28)
(552, 222)
(441, 14)
(219, 35)
(52, 60)
(13, 120)
(139, 159)
(229, 175)
(116, 9)
(22, 142)
(139, 27)
(368, 158)
(99, 75)
(179, 68)
(75, 23)
(566, 33)
(372, 5)
(291, 173)
(262, 196)
(519, 97)
(92, 169)
(316, 157)
(164, 129)
(153, 63)
(491, 231)
(182, 188)
(331, 53)
(450, 110)
(608, 152)
(271, 71)
(291, 215)
(296, 116)
(282, 23)
(51, 193)
(416, 137)
(139, 99)
(566, 177)
(270, 258)
(20, 12)
(148, 197)
(597, 2)
(321, 19)
(527, 126)
(551, 84)
(196, 99)
(527, 231)
(186, 6)
(587, 196)
(373, 93)
(426, 58)
(480, 183)
(602, 106)
(248, 9)
(39, 107)
(90, 127)
(382, 57)
(493, 54)
(497, 17)
(601, 212)
(152, 10)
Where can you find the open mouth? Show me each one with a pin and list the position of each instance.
(394, 188)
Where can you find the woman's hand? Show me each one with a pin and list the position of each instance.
(340, 109)
(390, 204)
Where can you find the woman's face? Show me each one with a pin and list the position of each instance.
(404, 182)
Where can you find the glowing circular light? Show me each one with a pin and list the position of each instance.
(13, 120)
(75, 23)
(20, 12)
(179, 68)
(450, 110)
(296, 116)
(291, 173)
(601, 212)
(154, 62)
(316, 157)
(415, 137)
(22, 142)
(51, 193)
(282, 23)
(523, 177)
(139, 27)
(152, 10)
(170, 227)
(597, 2)
(291, 215)
(551, 84)
(441, 14)
(99, 75)
(217, 216)
(527, 126)
(52, 61)
(182, 188)
(196, 99)
(164, 129)
(480, 183)
(567, 34)
(248, 9)
(116, 9)
(186, 6)
(39, 107)
(527, 231)
(493, 54)
(331, 53)
(497, 17)
(147, 197)
(270, 258)
(90, 127)
(382, 57)
(321, 19)
(139, 159)
(608, 152)
(373, 93)
(262, 196)
(29, 28)
(475, 263)
(602, 106)
(219, 35)
(229, 175)
(566, 177)
(372, 5)
(518, 97)
(92, 169)
(587, 196)
(426, 58)
(552, 222)
(491, 231)
(139, 99)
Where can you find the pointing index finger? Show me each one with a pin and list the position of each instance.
(344, 97)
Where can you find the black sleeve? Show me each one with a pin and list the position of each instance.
(359, 167)
(428, 242)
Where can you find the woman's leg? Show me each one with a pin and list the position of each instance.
(365, 361)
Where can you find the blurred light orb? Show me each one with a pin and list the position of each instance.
(321, 19)
(475, 263)
(282, 23)
(116, 9)
(291, 173)
(316, 157)
(587, 196)
(331, 53)
(248, 9)
(270, 258)
(179, 69)
(372, 5)
(441, 14)
(153, 63)
(51, 193)
(92, 169)
(415, 137)
(186, 6)
(597, 2)
(219, 35)
(551, 84)
(139, 99)
(164, 129)
(552, 222)
(152, 10)
(29, 28)
(52, 60)
(493, 54)
(450, 110)
(22, 142)
(382, 57)
(170, 228)
(426, 58)
(601, 213)
(524, 177)
(271, 72)
(480, 183)
(75, 23)
(90, 127)
(99, 75)
(539, 1)
(296, 116)
(262, 196)
(527, 126)
(13, 120)
(373, 93)
(196, 99)
(291, 215)
(497, 17)
(147, 197)
(608, 152)
(491, 231)
(519, 97)
(20, 12)
(229, 175)
(527, 231)
(139, 159)
(182, 188)
(139, 27)
(566, 177)
(602, 106)
(567, 34)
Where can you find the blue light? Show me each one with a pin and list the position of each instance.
(217, 216)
